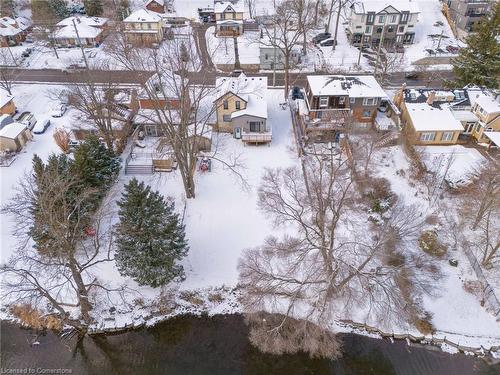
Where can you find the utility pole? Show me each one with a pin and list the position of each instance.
(337, 25)
(274, 47)
(380, 45)
(361, 44)
(80, 44)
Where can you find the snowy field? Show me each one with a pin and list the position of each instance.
(222, 49)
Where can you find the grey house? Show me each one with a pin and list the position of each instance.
(394, 22)
(465, 14)
(272, 57)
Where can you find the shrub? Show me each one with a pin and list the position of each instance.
(380, 195)
(33, 318)
(430, 244)
(424, 324)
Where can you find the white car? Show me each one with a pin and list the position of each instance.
(41, 126)
(58, 110)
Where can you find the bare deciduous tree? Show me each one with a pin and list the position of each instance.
(181, 111)
(293, 19)
(327, 267)
(59, 271)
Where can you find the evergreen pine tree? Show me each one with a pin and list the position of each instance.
(479, 62)
(93, 7)
(59, 8)
(95, 165)
(150, 238)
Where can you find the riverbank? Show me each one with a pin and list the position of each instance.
(218, 345)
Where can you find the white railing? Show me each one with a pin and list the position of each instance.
(256, 137)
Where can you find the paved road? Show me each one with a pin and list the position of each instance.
(201, 46)
(77, 76)
(434, 79)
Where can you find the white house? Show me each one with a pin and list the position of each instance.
(90, 30)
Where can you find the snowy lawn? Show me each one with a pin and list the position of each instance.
(457, 162)
(222, 49)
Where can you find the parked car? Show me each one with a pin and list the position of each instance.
(412, 75)
(58, 110)
(297, 93)
(327, 42)
(41, 126)
(320, 37)
(28, 119)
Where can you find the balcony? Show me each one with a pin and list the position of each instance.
(249, 137)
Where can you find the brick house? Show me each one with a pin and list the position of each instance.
(333, 103)
(13, 31)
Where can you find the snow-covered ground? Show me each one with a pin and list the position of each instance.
(222, 49)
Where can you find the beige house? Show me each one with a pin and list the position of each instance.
(487, 111)
(14, 136)
(241, 108)
(143, 28)
(428, 125)
(228, 18)
(7, 106)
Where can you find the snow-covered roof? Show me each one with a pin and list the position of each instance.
(353, 86)
(253, 90)
(494, 137)
(464, 115)
(227, 6)
(11, 27)
(487, 103)
(89, 21)
(143, 15)
(377, 6)
(5, 98)
(229, 22)
(69, 32)
(161, 2)
(427, 118)
(12, 130)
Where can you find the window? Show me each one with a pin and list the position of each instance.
(447, 136)
(342, 100)
(427, 136)
(367, 113)
(323, 101)
(381, 19)
(254, 126)
(379, 30)
(394, 18)
(401, 29)
(226, 118)
(404, 17)
(369, 101)
(368, 29)
(266, 56)
(358, 27)
(238, 105)
(352, 100)
(226, 104)
(469, 127)
(370, 18)
(390, 29)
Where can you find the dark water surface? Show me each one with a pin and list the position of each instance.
(218, 345)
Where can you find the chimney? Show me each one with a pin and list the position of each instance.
(431, 97)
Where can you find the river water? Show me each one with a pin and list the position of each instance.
(218, 345)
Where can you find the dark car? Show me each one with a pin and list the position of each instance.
(327, 43)
(320, 37)
(297, 93)
(26, 52)
(412, 75)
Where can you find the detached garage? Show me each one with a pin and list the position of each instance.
(14, 136)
